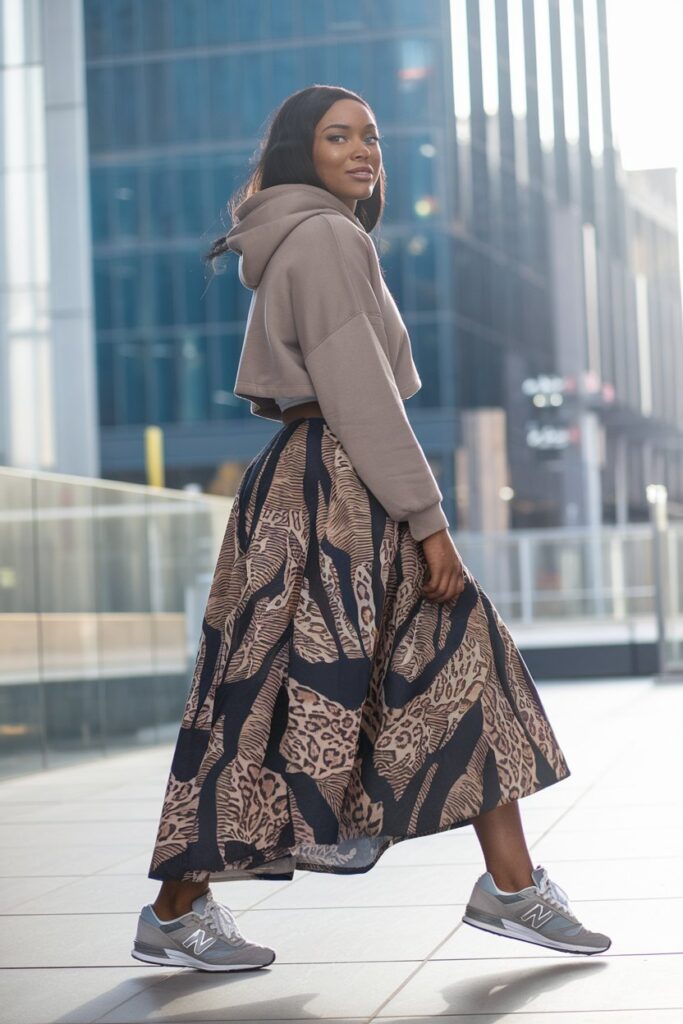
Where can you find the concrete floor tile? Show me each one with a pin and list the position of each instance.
(401, 886)
(543, 985)
(75, 811)
(69, 940)
(18, 861)
(610, 844)
(281, 992)
(117, 894)
(351, 934)
(604, 1017)
(53, 834)
(68, 996)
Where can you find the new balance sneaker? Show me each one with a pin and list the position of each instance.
(540, 914)
(206, 937)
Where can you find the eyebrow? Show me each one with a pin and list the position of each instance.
(370, 124)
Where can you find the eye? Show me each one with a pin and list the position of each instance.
(332, 137)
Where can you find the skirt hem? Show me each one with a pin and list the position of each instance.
(244, 874)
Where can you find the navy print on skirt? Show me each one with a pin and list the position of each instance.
(334, 710)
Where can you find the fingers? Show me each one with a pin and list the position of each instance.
(444, 588)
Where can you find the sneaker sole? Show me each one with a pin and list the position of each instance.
(174, 958)
(521, 933)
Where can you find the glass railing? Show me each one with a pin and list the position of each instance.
(102, 592)
(103, 587)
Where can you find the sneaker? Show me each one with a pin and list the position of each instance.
(540, 914)
(206, 937)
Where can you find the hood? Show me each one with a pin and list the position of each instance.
(264, 220)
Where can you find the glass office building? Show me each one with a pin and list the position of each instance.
(503, 185)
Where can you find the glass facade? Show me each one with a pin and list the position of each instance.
(494, 114)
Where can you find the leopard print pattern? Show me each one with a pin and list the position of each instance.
(333, 710)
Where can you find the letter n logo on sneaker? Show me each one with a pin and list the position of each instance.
(537, 915)
(200, 940)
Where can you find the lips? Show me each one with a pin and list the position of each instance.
(362, 173)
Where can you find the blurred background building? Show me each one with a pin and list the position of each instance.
(510, 241)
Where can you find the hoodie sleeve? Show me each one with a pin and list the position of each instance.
(339, 326)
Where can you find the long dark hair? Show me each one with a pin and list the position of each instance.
(285, 155)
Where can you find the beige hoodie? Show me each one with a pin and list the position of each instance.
(322, 321)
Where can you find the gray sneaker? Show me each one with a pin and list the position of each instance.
(540, 913)
(207, 937)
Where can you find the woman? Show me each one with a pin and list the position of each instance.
(354, 685)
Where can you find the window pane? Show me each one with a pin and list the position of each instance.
(164, 381)
(162, 201)
(126, 202)
(105, 383)
(102, 278)
(194, 383)
(188, 110)
(99, 203)
(131, 355)
(194, 284)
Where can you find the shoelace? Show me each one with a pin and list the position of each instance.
(554, 894)
(222, 920)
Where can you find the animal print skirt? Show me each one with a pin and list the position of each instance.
(333, 710)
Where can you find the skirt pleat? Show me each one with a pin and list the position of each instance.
(333, 710)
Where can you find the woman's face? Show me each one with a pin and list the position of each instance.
(346, 140)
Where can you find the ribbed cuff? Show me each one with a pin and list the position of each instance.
(427, 521)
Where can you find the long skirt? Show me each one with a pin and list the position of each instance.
(334, 710)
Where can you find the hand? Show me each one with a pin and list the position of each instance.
(445, 579)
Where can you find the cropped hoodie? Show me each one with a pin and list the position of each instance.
(322, 321)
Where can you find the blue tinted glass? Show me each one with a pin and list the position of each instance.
(162, 288)
(192, 186)
(132, 400)
(194, 379)
(158, 126)
(415, 68)
(226, 349)
(194, 279)
(350, 66)
(123, 26)
(346, 15)
(246, 20)
(99, 203)
(223, 294)
(313, 17)
(219, 22)
(164, 381)
(162, 202)
(424, 338)
(125, 128)
(96, 28)
(286, 72)
(187, 108)
(315, 65)
(426, 13)
(105, 383)
(99, 108)
(390, 259)
(126, 271)
(223, 88)
(384, 83)
(252, 109)
(186, 23)
(125, 185)
(421, 265)
(280, 19)
(102, 282)
(155, 24)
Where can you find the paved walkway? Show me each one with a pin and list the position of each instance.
(387, 945)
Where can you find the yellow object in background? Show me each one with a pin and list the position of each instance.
(154, 456)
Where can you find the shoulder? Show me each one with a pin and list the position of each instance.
(329, 232)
